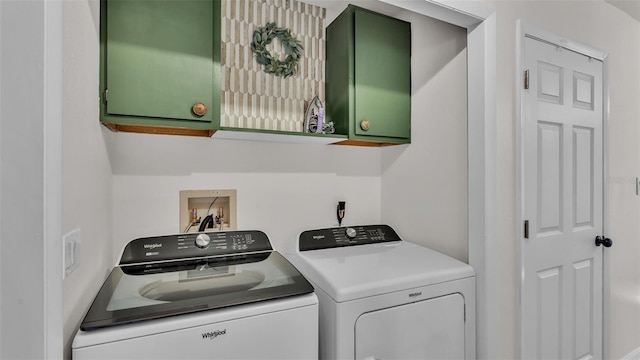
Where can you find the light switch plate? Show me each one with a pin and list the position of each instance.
(71, 252)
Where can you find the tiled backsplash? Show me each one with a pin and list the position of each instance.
(253, 99)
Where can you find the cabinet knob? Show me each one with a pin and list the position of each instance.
(364, 124)
(199, 108)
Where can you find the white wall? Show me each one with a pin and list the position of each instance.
(274, 181)
(424, 185)
(282, 189)
(87, 179)
(0, 181)
(602, 26)
(31, 73)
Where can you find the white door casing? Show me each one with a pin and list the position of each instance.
(562, 197)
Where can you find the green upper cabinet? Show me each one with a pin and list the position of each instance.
(368, 71)
(158, 59)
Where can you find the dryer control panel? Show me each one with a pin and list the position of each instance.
(346, 236)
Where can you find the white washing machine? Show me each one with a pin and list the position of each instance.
(385, 298)
(224, 295)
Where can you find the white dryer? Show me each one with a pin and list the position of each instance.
(384, 298)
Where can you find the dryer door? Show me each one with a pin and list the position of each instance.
(428, 329)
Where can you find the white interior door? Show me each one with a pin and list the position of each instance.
(561, 294)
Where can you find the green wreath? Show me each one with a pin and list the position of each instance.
(292, 47)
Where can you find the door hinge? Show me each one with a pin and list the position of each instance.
(526, 79)
(105, 96)
(526, 229)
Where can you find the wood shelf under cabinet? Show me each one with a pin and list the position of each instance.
(277, 136)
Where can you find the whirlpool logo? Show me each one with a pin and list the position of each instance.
(415, 294)
(213, 334)
(152, 246)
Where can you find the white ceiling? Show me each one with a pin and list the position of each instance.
(631, 7)
(334, 7)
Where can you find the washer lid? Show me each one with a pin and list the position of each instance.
(148, 291)
(354, 272)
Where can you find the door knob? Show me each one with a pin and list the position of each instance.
(604, 241)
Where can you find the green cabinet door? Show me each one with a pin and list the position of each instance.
(368, 72)
(382, 75)
(159, 58)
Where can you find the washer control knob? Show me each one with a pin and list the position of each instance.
(351, 233)
(202, 241)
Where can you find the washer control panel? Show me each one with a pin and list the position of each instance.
(184, 246)
(346, 236)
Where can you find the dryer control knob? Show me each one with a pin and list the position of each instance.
(351, 233)
(202, 240)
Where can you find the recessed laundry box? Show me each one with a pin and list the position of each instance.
(385, 298)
